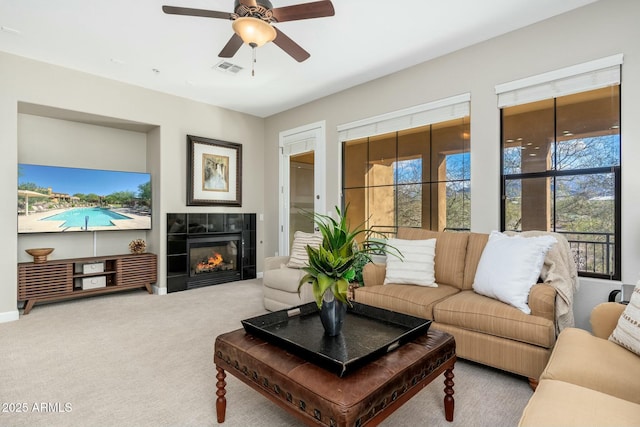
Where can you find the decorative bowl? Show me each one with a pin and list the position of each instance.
(39, 254)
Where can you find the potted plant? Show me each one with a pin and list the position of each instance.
(361, 259)
(332, 266)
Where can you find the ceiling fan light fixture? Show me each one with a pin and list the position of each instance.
(253, 31)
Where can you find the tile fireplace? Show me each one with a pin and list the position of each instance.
(209, 249)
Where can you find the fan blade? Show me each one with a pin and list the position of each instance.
(173, 10)
(231, 47)
(317, 9)
(291, 47)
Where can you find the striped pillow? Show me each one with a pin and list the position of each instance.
(417, 265)
(627, 332)
(299, 257)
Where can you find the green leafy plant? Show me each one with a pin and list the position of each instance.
(332, 264)
(361, 259)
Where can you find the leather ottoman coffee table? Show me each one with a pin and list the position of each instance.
(321, 398)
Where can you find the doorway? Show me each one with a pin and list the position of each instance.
(302, 189)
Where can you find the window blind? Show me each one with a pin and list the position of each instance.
(577, 78)
(420, 115)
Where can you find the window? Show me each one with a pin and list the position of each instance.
(410, 178)
(561, 172)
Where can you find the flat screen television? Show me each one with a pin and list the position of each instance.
(54, 199)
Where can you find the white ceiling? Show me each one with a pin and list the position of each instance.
(126, 40)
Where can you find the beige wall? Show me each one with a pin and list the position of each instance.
(165, 120)
(604, 28)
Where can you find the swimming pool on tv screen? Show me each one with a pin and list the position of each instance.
(97, 217)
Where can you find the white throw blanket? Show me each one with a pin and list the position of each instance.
(560, 271)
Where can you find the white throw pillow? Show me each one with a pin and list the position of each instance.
(417, 264)
(627, 332)
(510, 266)
(299, 257)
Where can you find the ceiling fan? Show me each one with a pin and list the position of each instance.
(252, 23)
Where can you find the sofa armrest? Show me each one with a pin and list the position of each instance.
(373, 274)
(604, 318)
(274, 262)
(542, 301)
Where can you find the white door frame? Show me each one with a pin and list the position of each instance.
(315, 133)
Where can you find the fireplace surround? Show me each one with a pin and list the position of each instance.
(209, 249)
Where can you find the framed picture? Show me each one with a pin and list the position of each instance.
(214, 172)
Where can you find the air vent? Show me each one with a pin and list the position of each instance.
(228, 67)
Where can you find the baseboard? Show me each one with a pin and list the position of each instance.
(158, 290)
(9, 316)
(259, 275)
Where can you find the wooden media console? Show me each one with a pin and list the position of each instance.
(81, 277)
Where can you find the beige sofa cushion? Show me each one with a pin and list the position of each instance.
(451, 248)
(373, 274)
(475, 246)
(604, 318)
(276, 299)
(478, 313)
(273, 262)
(582, 359)
(542, 301)
(557, 403)
(280, 285)
(283, 278)
(409, 299)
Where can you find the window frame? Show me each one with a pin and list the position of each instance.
(426, 184)
(553, 174)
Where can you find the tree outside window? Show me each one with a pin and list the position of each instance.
(413, 178)
(561, 172)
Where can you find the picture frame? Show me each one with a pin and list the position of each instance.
(214, 172)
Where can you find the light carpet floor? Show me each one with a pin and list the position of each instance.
(134, 359)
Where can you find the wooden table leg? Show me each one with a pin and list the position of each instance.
(28, 305)
(449, 403)
(221, 401)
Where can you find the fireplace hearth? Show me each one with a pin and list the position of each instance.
(209, 249)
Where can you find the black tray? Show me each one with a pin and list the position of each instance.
(368, 332)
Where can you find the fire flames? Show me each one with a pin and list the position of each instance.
(211, 263)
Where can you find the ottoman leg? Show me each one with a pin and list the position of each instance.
(449, 403)
(221, 401)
